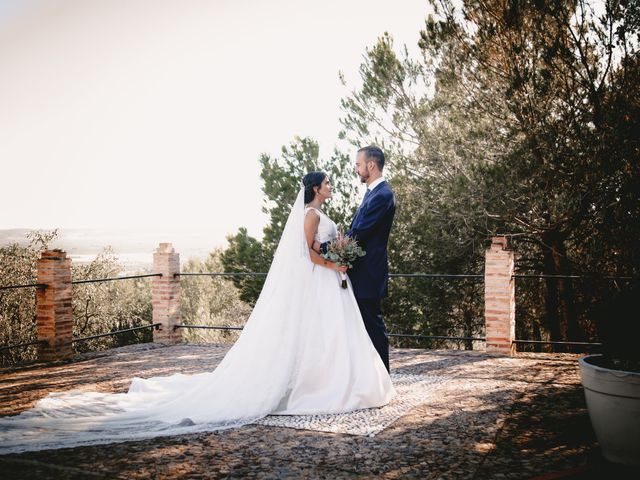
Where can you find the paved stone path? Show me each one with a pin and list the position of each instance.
(499, 417)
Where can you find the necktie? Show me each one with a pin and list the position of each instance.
(366, 194)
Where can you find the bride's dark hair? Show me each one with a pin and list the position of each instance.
(310, 180)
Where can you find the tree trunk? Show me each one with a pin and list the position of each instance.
(560, 299)
(467, 319)
(551, 295)
(566, 295)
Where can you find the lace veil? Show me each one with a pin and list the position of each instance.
(252, 380)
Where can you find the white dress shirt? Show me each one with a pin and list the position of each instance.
(375, 183)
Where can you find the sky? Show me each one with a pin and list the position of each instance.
(151, 115)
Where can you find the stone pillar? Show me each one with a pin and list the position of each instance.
(54, 313)
(499, 298)
(165, 294)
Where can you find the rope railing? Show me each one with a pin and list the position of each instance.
(449, 276)
(391, 275)
(156, 326)
(436, 337)
(112, 279)
(472, 277)
(573, 277)
(557, 342)
(420, 337)
(220, 274)
(77, 282)
(429, 276)
(398, 335)
(208, 327)
(566, 277)
(29, 285)
(20, 345)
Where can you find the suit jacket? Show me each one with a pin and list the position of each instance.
(371, 227)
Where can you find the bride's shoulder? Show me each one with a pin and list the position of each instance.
(314, 217)
(312, 209)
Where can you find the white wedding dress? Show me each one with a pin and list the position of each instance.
(304, 350)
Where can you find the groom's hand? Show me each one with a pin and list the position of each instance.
(320, 248)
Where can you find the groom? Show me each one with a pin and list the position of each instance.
(371, 226)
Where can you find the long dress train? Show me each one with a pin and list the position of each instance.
(304, 350)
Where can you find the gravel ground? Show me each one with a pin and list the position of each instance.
(498, 418)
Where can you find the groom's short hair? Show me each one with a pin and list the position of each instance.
(374, 153)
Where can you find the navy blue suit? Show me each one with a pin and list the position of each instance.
(370, 274)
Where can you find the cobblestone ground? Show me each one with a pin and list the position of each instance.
(520, 417)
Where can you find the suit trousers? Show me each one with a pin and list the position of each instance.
(373, 322)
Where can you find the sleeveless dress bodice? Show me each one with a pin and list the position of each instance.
(327, 228)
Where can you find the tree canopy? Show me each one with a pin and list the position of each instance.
(518, 118)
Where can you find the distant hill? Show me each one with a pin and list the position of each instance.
(133, 247)
(71, 240)
(14, 235)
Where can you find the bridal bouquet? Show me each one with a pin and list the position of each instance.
(343, 250)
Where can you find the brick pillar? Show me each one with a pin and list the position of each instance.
(165, 294)
(499, 298)
(54, 313)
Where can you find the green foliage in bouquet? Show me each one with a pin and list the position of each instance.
(344, 250)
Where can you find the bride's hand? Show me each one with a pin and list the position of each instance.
(341, 269)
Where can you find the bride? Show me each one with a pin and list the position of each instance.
(303, 350)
